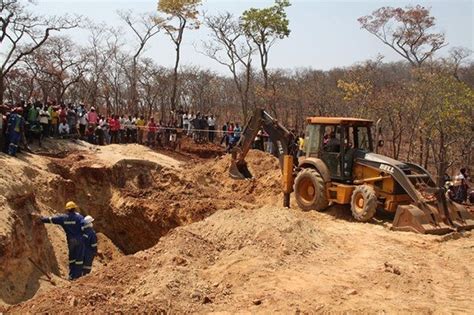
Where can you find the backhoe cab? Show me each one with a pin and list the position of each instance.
(339, 166)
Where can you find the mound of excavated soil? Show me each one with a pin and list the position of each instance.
(263, 188)
(206, 262)
(202, 150)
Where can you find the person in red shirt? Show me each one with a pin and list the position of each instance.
(114, 128)
(63, 114)
(152, 128)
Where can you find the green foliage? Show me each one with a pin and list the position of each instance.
(184, 8)
(265, 24)
(451, 105)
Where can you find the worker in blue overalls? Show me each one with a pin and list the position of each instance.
(14, 131)
(90, 244)
(71, 222)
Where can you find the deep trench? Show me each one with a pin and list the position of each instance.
(121, 200)
(134, 203)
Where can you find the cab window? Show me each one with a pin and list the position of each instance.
(312, 139)
(362, 138)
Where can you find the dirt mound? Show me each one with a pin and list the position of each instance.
(192, 266)
(203, 150)
(261, 189)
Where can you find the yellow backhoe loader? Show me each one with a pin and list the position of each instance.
(340, 167)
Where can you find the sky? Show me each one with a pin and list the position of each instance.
(324, 34)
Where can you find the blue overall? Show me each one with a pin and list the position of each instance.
(90, 248)
(15, 126)
(71, 223)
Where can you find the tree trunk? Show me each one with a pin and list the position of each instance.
(2, 87)
(422, 144)
(133, 88)
(427, 156)
(442, 161)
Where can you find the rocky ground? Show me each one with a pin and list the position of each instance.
(177, 235)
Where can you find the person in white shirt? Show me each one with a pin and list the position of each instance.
(104, 126)
(211, 122)
(44, 120)
(63, 129)
(82, 113)
(186, 121)
(127, 124)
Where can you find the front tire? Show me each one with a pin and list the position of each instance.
(310, 191)
(363, 203)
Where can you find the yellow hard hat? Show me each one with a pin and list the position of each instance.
(71, 205)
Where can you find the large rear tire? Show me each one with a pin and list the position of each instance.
(310, 191)
(363, 203)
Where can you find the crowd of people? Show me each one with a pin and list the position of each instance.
(25, 123)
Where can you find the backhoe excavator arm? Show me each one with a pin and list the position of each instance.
(283, 140)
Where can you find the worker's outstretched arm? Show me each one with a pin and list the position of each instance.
(58, 219)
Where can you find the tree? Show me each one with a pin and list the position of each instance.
(407, 31)
(150, 86)
(22, 32)
(60, 65)
(448, 119)
(144, 27)
(264, 27)
(181, 15)
(230, 48)
(458, 56)
(103, 44)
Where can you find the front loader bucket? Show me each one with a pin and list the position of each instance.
(410, 218)
(429, 219)
(462, 219)
(239, 171)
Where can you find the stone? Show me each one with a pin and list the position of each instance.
(257, 302)
(351, 292)
(73, 302)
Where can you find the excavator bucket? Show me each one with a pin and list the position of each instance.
(427, 218)
(239, 170)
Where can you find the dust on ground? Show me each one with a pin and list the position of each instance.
(183, 237)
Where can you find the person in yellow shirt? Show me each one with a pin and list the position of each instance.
(54, 121)
(140, 122)
(301, 145)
